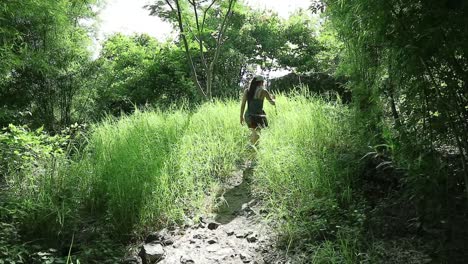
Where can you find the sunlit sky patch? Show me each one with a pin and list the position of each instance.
(129, 16)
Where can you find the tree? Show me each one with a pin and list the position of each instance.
(191, 18)
(138, 70)
(302, 45)
(44, 45)
(410, 59)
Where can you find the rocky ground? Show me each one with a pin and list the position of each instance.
(236, 233)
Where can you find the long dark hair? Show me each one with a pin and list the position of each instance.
(253, 86)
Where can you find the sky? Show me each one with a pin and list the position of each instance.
(129, 16)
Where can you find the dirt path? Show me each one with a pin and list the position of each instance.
(236, 233)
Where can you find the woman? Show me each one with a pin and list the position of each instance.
(255, 117)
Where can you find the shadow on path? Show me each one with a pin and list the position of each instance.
(233, 198)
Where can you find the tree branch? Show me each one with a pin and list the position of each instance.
(187, 50)
(204, 14)
(169, 4)
(219, 44)
(199, 37)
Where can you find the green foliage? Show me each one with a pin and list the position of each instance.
(136, 71)
(252, 38)
(307, 171)
(150, 164)
(202, 27)
(128, 170)
(317, 83)
(43, 49)
(137, 173)
(302, 46)
(213, 143)
(23, 151)
(406, 61)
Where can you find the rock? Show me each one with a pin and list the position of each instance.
(252, 239)
(212, 241)
(245, 258)
(132, 260)
(213, 225)
(167, 242)
(156, 236)
(186, 260)
(230, 233)
(252, 203)
(199, 236)
(244, 234)
(240, 235)
(152, 253)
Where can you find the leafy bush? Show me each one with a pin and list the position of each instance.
(23, 151)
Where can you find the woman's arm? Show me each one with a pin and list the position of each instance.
(244, 99)
(269, 97)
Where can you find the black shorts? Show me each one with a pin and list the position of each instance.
(257, 121)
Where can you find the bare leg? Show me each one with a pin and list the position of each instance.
(254, 136)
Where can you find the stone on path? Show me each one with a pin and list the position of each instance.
(157, 237)
(236, 234)
(213, 226)
(167, 242)
(252, 239)
(199, 236)
(186, 260)
(212, 241)
(152, 253)
(132, 260)
(246, 258)
(244, 234)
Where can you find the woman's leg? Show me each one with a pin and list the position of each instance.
(254, 136)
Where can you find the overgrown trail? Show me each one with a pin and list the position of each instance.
(236, 233)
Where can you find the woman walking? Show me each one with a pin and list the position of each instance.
(255, 116)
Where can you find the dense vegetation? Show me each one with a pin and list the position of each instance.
(365, 162)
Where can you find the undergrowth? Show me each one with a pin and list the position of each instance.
(307, 168)
(138, 173)
(152, 169)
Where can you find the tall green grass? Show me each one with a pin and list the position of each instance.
(139, 172)
(307, 167)
(149, 169)
(127, 169)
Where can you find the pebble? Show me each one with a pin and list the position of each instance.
(213, 226)
(252, 239)
(186, 260)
